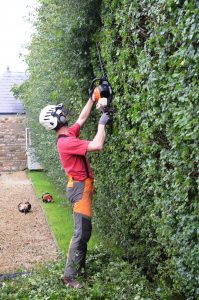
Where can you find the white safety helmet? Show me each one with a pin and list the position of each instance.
(53, 117)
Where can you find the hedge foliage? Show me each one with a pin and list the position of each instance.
(147, 175)
(44, 282)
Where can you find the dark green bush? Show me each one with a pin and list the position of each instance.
(147, 176)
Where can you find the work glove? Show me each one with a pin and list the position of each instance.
(104, 118)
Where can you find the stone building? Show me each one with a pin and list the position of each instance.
(12, 124)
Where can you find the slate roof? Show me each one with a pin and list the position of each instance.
(8, 103)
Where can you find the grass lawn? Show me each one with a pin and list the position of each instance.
(58, 214)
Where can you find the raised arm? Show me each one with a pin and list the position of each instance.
(98, 142)
(85, 112)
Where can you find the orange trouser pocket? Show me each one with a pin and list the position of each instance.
(84, 205)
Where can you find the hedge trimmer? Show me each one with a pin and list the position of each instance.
(103, 92)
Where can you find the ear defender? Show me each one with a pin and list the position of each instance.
(62, 119)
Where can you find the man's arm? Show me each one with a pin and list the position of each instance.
(98, 142)
(85, 113)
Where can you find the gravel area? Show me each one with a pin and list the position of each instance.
(25, 239)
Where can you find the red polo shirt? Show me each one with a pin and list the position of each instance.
(72, 153)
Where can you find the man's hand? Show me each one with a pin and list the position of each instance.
(104, 118)
(94, 94)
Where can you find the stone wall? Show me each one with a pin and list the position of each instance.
(12, 143)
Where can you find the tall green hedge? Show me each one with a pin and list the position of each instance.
(147, 175)
(147, 192)
(59, 68)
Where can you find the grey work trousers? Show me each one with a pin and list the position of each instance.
(80, 196)
(78, 245)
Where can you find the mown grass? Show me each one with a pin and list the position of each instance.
(58, 213)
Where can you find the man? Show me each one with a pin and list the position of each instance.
(72, 152)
